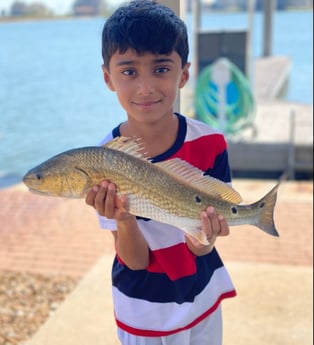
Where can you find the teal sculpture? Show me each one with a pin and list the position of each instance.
(223, 98)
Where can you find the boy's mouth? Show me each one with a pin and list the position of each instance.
(146, 104)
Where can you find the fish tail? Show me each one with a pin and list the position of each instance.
(265, 221)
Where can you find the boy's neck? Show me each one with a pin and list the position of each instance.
(157, 137)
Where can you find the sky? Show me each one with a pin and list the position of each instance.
(58, 6)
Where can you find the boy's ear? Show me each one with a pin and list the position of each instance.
(107, 78)
(185, 75)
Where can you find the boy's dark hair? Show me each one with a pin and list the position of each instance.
(145, 26)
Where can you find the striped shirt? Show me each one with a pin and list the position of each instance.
(178, 289)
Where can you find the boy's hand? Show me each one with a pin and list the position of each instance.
(130, 244)
(213, 225)
(104, 199)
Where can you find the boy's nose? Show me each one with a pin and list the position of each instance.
(145, 86)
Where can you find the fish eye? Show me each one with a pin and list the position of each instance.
(39, 177)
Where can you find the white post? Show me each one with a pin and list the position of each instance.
(269, 8)
(175, 6)
(251, 10)
(221, 76)
(196, 27)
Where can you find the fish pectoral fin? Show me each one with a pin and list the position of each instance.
(193, 176)
(78, 182)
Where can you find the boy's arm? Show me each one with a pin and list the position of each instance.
(130, 244)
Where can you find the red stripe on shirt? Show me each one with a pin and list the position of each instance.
(152, 333)
(170, 261)
(209, 146)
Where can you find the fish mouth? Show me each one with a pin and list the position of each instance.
(35, 191)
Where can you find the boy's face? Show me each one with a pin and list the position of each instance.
(147, 84)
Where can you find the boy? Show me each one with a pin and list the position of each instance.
(167, 287)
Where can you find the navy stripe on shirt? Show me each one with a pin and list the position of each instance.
(145, 285)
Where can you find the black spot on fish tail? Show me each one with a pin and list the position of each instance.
(234, 210)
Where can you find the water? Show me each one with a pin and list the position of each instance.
(292, 37)
(52, 94)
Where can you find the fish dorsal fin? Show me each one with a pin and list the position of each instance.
(187, 173)
(130, 145)
(179, 169)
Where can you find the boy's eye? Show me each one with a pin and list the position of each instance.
(128, 72)
(161, 69)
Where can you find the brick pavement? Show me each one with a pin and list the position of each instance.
(62, 236)
(48, 235)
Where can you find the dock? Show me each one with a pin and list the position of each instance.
(280, 139)
(283, 142)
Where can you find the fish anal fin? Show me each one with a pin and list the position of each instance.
(197, 234)
(187, 173)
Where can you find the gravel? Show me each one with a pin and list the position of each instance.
(27, 300)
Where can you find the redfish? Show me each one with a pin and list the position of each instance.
(172, 192)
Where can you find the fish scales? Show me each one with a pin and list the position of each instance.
(173, 192)
(131, 177)
(150, 182)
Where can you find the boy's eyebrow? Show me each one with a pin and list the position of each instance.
(134, 62)
(162, 60)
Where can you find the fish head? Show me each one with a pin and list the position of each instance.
(58, 176)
